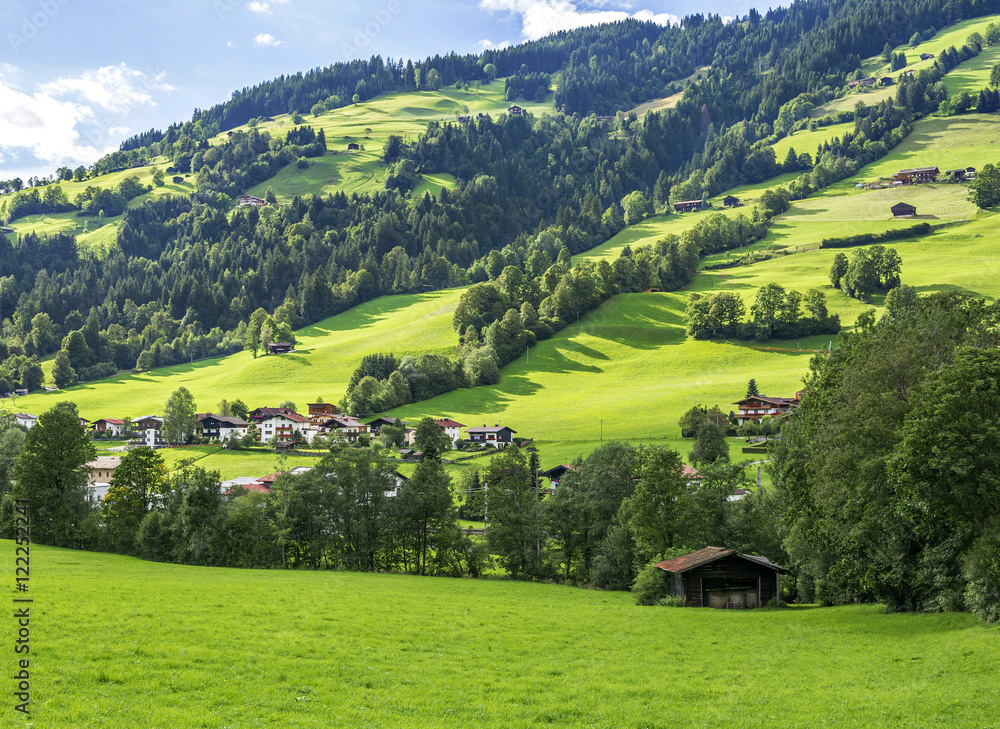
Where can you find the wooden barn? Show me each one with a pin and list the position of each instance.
(721, 578)
(280, 347)
(687, 206)
(903, 210)
(731, 201)
(352, 146)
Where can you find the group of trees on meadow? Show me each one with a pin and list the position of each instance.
(887, 472)
(775, 313)
(868, 270)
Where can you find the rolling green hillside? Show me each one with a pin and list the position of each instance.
(178, 646)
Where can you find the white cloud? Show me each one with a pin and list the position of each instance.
(544, 17)
(485, 45)
(49, 129)
(116, 88)
(256, 7)
(266, 39)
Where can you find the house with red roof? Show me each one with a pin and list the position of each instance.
(757, 407)
(109, 425)
(451, 428)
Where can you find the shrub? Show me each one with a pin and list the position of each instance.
(650, 586)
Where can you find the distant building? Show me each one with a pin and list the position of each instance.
(464, 118)
(903, 210)
(27, 420)
(916, 176)
(259, 414)
(515, 110)
(353, 146)
(687, 206)
(757, 407)
(109, 425)
(451, 429)
(885, 81)
(280, 347)
(730, 201)
(376, 425)
(221, 427)
(497, 436)
(870, 81)
(6, 231)
(926, 56)
(321, 409)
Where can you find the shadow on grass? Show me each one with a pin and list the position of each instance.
(949, 288)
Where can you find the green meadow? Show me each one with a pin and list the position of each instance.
(807, 141)
(178, 646)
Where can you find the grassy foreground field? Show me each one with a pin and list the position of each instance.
(167, 645)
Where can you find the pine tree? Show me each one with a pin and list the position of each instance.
(752, 388)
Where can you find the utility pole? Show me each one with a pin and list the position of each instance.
(602, 432)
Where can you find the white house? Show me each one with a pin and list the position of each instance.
(25, 419)
(451, 429)
(283, 427)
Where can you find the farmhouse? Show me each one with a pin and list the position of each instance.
(280, 347)
(108, 425)
(556, 474)
(516, 110)
(284, 426)
(220, 427)
(376, 425)
(345, 425)
(25, 420)
(321, 410)
(926, 56)
(916, 175)
(497, 436)
(870, 81)
(885, 81)
(687, 206)
(903, 210)
(909, 72)
(260, 414)
(721, 578)
(730, 201)
(251, 201)
(451, 429)
(761, 406)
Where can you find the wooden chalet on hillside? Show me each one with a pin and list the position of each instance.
(376, 425)
(885, 81)
(322, 410)
(687, 206)
(926, 56)
(730, 201)
(221, 427)
(903, 210)
(109, 425)
(870, 81)
(515, 110)
(916, 176)
(280, 347)
(353, 146)
(722, 578)
(258, 414)
(756, 407)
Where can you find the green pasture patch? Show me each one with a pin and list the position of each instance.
(807, 141)
(180, 646)
(434, 182)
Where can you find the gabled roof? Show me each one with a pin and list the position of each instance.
(557, 471)
(382, 419)
(691, 472)
(230, 419)
(765, 398)
(109, 421)
(686, 562)
(449, 424)
(918, 169)
(288, 415)
(494, 429)
(27, 416)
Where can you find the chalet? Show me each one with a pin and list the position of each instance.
(722, 578)
(146, 423)
(903, 210)
(400, 481)
(916, 176)
(515, 110)
(885, 81)
(283, 427)
(730, 201)
(556, 474)
(321, 410)
(955, 175)
(353, 146)
(25, 420)
(6, 231)
(451, 429)
(147, 432)
(909, 72)
(762, 406)
(376, 425)
(221, 427)
(926, 56)
(497, 436)
(109, 425)
(280, 347)
(345, 425)
(870, 81)
(259, 414)
(687, 206)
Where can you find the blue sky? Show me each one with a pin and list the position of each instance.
(79, 76)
